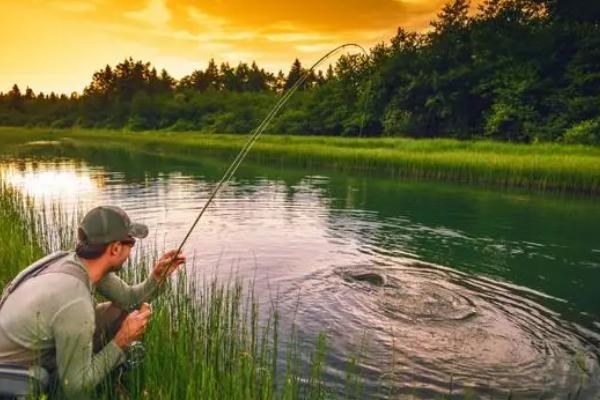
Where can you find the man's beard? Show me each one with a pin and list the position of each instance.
(117, 268)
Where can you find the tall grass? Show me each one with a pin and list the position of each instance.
(206, 342)
(206, 339)
(550, 166)
(18, 246)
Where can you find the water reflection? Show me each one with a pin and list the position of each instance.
(517, 309)
(60, 181)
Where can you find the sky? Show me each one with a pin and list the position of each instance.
(56, 45)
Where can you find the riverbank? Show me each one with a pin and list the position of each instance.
(541, 167)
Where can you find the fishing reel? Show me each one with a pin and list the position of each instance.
(135, 355)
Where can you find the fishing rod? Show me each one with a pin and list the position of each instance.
(255, 134)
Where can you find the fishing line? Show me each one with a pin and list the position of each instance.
(255, 134)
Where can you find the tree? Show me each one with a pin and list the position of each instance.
(102, 82)
(405, 41)
(228, 78)
(15, 99)
(196, 80)
(330, 74)
(167, 82)
(296, 72)
(279, 82)
(574, 10)
(454, 16)
(29, 94)
(15, 92)
(210, 78)
(242, 77)
(258, 79)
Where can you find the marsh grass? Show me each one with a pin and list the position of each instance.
(18, 245)
(207, 339)
(546, 167)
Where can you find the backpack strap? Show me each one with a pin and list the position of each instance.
(52, 263)
(68, 267)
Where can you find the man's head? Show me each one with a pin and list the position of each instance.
(107, 232)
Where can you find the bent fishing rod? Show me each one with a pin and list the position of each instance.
(255, 134)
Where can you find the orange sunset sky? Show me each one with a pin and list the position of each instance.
(56, 45)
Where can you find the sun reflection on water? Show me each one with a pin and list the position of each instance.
(62, 182)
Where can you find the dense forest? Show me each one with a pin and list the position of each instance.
(516, 70)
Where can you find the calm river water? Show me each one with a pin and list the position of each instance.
(492, 290)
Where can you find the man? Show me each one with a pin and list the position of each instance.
(49, 316)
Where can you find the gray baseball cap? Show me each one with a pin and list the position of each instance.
(106, 224)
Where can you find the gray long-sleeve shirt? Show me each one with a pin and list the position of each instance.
(49, 320)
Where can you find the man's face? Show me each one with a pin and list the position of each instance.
(120, 252)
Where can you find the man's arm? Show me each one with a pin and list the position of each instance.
(129, 297)
(124, 296)
(79, 370)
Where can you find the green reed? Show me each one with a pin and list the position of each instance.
(546, 167)
(18, 246)
(207, 339)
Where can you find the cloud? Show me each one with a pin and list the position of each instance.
(295, 37)
(155, 14)
(315, 48)
(320, 15)
(64, 41)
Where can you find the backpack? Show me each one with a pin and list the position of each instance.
(21, 382)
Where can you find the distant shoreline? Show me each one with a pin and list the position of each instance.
(538, 167)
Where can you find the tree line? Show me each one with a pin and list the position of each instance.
(515, 70)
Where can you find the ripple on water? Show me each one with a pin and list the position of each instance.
(483, 333)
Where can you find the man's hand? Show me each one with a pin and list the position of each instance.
(133, 327)
(166, 265)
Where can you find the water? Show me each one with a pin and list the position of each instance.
(474, 288)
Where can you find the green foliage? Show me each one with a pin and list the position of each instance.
(293, 122)
(586, 132)
(509, 121)
(397, 122)
(516, 70)
(16, 222)
(182, 125)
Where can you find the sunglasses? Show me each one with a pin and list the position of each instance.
(129, 242)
